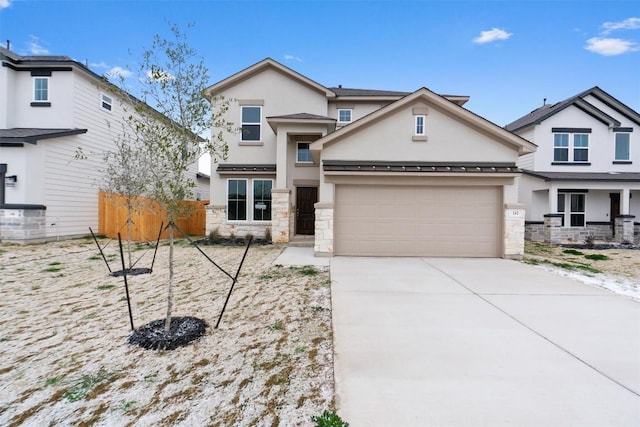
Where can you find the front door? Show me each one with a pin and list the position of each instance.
(306, 197)
(614, 210)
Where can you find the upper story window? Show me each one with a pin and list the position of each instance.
(622, 147)
(419, 128)
(41, 89)
(106, 102)
(571, 147)
(303, 153)
(345, 115)
(251, 123)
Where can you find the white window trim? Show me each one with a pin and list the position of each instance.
(615, 146)
(424, 125)
(33, 93)
(242, 107)
(571, 148)
(246, 213)
(350, 110)
(306, 162)
(253, 201)
(102, 102)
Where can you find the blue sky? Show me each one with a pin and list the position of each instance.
(506, 55)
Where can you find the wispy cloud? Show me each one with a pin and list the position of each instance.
(627, 24)
(119, 72)
(35, 46)
(492, 35)
(610, 47)
(288, 57)
(4, 4)
(101, 65)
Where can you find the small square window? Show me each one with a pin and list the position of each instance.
(303, 153)
(106, 102)
(344, 115)
(41, 89)
(420, 125)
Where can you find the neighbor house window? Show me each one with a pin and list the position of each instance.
(237, 200)
(344, 115)
(581, 147)
(262, 199)
(571, 147)
(303, 153)
(561, 147)
(41, 89)
(106, 102)
(420, 125)
(622, 146)
(251, 123)
(577, 210)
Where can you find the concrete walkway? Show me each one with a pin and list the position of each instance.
(300, 256)
(480, 342)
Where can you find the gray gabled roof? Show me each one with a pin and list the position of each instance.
(14, 57)
(539, 115)
(33, 135)
(341, 91)
(585, 176)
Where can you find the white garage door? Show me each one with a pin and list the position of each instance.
(418, 221)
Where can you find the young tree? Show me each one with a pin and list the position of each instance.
(173, 79)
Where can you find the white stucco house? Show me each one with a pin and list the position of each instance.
(365, 172)
(584, 179)
(49, 107)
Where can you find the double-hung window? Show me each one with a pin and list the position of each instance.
(303, 154)
(577, 210)
(419, 127)
(106, 102)
(344, 115)
(41, 89)
(571, 147)
(262, 199)
(237, 200)
(251, 123)
(622, 147)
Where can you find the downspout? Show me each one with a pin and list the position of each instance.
(3, 172)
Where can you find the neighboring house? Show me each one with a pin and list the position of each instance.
(50, 106)
(367, 172)
(584, 179)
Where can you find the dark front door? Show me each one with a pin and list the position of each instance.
(614, 210)
(306, 197)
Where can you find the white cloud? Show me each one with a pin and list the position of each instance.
(118, 72)
(4, 4)
(610, 47)
(101, 65)
(492, 35)
(292, 58)
(159, 75)
(35, 47)
(627, 24)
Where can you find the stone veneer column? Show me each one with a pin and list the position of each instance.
(280, 215)
(324, 229)
(23, 223)
(553, 228)
(513, 231)
(624, 228)
(216, 219)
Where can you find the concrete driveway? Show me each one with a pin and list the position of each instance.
(480, 342)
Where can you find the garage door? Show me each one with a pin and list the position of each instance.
(417, 221)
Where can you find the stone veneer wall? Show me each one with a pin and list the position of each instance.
(324, 229)
(535, 231)
(625, 229)
(23, 223)
(280, 215)
(513, 231)
(217, 221)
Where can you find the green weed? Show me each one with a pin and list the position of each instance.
(52, 381)
(329, 419)
(572, 252)
(83, 385)
(597, 257)
(106, 287)
(277, 326)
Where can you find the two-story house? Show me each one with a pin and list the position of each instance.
(366, 172)
(584, 179)
(51, 106)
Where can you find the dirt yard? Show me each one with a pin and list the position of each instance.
(64, 359)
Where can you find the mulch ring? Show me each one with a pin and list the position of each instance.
(131, 272)
(600, 246)
(183, 330)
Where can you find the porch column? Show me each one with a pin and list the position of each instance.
(624, 228)
(553, 199)
(324, 229)
(513, 231)
(281, 160)
(625, 198)
(553, 228)
(280, 215)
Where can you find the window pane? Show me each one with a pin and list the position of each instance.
(560, 202)
(344, 115)
(262, 199)
(561, 155)
(41, 89)
(251, 114)
(560, 140)
(251, 132)
(304, 155)
(622, 146)
(577, 220)
(237, 200)
(580, 155)
(577, 203)
(580, 140)
(419, 125)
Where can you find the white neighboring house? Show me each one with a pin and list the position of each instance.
(49, 107)
(584, 179)
(364, 172)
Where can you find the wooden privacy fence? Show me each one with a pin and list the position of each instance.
(112, 218)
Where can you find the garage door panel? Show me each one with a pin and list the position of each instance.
(418, 221)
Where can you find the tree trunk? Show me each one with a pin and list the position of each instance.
(167, 323)
(129, 237)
